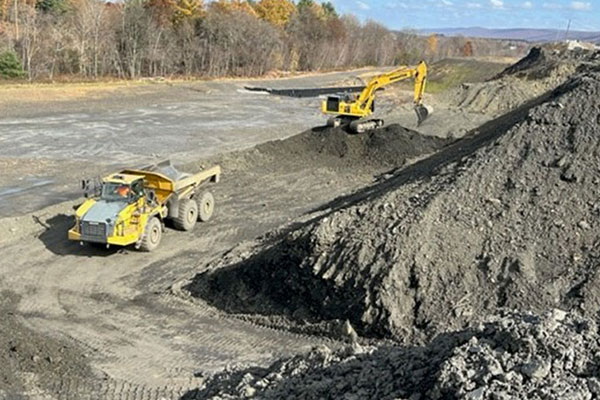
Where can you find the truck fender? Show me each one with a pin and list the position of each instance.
(172, 207)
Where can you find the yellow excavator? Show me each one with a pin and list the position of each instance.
(351, 111)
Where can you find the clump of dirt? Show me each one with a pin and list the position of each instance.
(31, 365)
(505, 218)
(512, 356)
(541, 70)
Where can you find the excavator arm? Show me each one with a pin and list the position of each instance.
(361, 107)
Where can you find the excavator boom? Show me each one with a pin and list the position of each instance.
(353, 111)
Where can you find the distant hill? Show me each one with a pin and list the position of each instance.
(532, 35)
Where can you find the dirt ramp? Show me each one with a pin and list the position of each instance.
(513, 356)
(511, 224)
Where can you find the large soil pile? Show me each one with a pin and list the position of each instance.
(506, 218)
(333, 148)
(541, 70)
(515, 356)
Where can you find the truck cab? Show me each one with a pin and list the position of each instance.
(114, 217)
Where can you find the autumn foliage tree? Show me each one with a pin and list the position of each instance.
(431, 44)
(467, 50)
(276, 12)
(136, 38)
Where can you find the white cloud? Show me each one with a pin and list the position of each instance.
(527, 5)
(580, 6)
(552, 6)
(363, 6)
(446, 2)
(497, 3)
(474, 5)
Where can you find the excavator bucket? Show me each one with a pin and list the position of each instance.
(423, 113)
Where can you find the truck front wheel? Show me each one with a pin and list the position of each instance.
(152, 235)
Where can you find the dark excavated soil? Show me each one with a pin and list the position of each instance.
(505, 218)
(333, 148)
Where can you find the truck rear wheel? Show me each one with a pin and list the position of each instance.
(152, 235)
(206, 206)
(187, 215)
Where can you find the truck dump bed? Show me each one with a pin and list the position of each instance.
(166, 180)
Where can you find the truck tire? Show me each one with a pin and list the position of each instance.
(206, 206)
(152, 235)
(187, 215)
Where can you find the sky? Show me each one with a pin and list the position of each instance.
(553, 14)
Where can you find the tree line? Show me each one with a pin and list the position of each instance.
(45, 39)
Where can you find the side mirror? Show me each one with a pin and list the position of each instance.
(91, 187)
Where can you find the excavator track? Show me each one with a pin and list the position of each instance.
(352, 125)
(361, 125)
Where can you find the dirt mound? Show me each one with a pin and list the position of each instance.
(514, 356)
(541, 70)
(505, 218)
(537, 64)
(333, 148)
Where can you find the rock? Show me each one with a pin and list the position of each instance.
(248, 392)
(584, 225)
(536, 369)
(561, 162)
(558, 315)
(348, 332)
(477, 394)
(494, 368)
(593, 385)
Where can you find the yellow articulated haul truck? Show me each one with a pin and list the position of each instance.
(130, 207)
